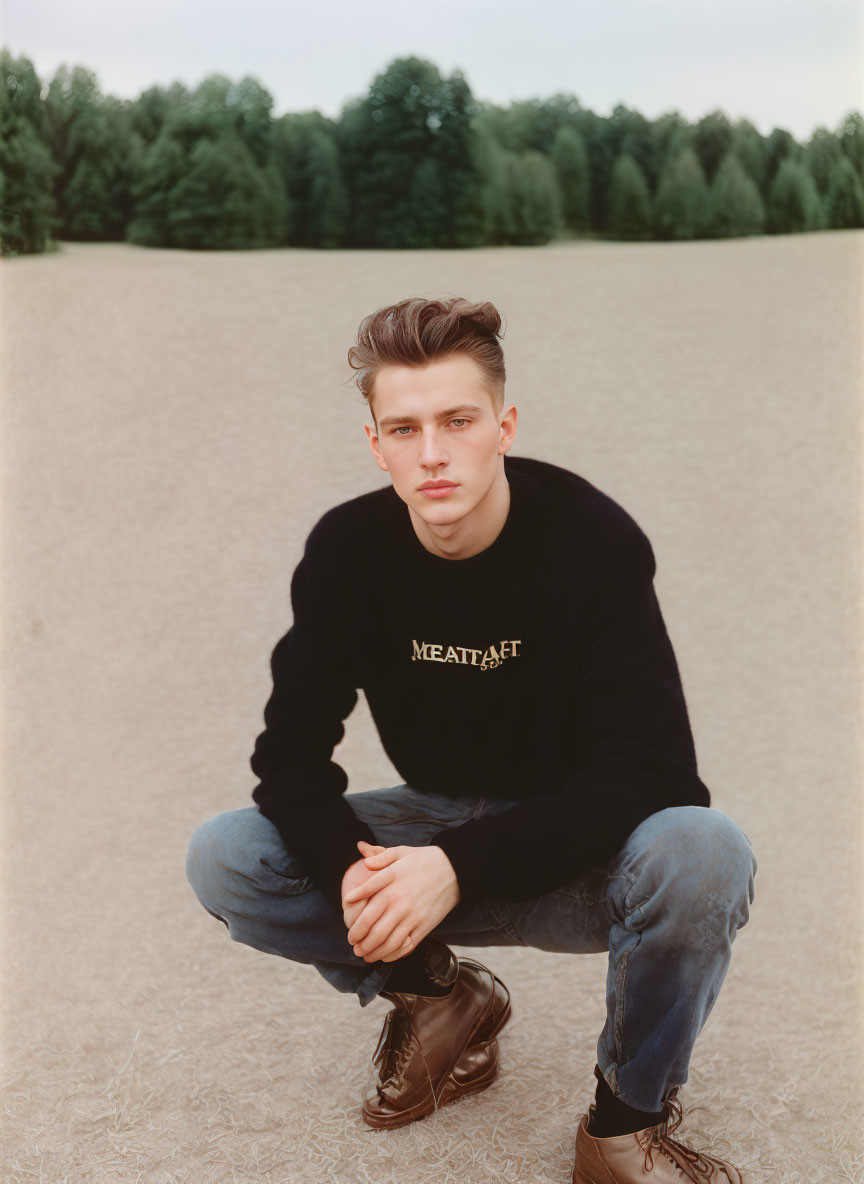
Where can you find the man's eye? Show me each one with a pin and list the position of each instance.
(460, 419)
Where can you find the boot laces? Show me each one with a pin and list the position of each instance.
(693, 1165)
(394, 1047)
(393, 1043)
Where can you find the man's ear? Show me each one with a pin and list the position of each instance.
(507, 425)
(372, 435)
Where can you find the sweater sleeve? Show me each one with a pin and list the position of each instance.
(301, 789)
(641, 756)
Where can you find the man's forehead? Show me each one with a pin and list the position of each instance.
(430, 391)
(444, 373)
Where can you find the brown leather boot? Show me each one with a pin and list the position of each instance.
(434, 1049)
(651, 1156)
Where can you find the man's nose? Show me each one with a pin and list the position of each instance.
(432, 448)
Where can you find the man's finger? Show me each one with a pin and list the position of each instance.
(369, 914)
(383, 858)
(350, 913)
(369, 887)
(377, 937)
(384, 944)
(400, 944)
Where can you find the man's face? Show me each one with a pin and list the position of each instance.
(438, 424)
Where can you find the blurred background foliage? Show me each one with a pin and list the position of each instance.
(416, 162)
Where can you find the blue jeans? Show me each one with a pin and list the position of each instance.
(666, 907)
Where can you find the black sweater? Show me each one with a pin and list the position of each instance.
(538, 669)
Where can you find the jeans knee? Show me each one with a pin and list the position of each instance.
(729, 868)
(694, 862)
(217, 850)
(200, 857)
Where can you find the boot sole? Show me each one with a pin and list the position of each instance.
(451, 1090)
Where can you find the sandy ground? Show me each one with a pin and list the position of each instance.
(173, 424)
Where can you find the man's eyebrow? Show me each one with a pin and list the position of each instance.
(389, 420)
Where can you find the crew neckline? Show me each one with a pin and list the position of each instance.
(498, 545)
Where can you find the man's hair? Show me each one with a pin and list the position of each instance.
(417, 331)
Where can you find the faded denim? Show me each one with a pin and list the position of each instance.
(667, 908)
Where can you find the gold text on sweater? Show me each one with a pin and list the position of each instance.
(487, 659)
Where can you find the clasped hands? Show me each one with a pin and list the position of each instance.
(394, 896)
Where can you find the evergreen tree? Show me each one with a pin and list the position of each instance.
(208, 180)
(223, 201)
(490, 123)
(249, 106)
(779, 146)
(735, 204)
(712, 139)
(521, 194)
(670, 135)
(601, 161)
(629, 201)
(630, 134)
(89, 211)
(27, 210)
(218, 108)
(571, 163)
(328, 201)
(458, 165)
(89, 136)
(427, 201)
(530, 125)
(844, 205)
(162, 165)
(850, 133)
(793, 202)
(412, 117)
(498, 220)
(535, 213)
(150, 110)
(749, 147)
(681, 203)
(203, 113)
(307, 155)
(822, 154)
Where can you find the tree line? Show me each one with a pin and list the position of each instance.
(416, 162)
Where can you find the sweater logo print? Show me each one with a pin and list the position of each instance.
(487, 659)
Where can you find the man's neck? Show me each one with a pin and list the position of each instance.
(471, 535)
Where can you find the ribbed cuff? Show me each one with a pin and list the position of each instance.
(326, 856)
(479, 852)
(340, 854)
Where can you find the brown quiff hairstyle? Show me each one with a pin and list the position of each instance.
(418, 331)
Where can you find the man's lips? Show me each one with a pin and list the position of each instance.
(438, 490)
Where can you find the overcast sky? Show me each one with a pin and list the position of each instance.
(789, 63)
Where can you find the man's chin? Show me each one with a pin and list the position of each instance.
(437, 515)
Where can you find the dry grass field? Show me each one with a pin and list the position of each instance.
(172, 426)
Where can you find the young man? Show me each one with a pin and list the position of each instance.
(500, 616)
